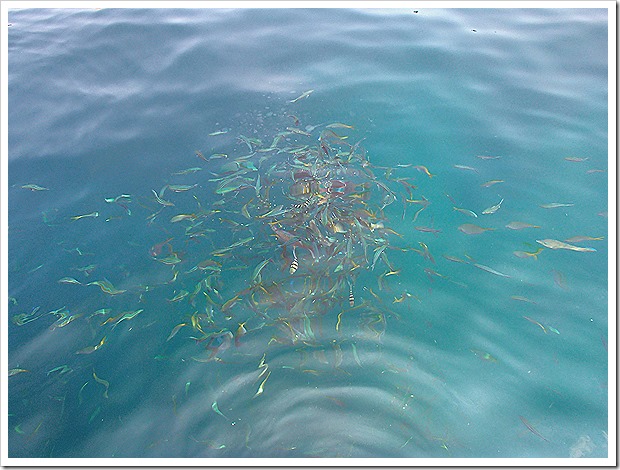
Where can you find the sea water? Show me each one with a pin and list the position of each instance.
(483, 353)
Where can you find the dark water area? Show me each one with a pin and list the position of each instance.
(365, 145)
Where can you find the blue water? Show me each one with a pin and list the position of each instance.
(437, 359)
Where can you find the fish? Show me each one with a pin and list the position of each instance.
(583, 238)
(128, 316)
(175, 330)
(491, 183)
(240, 333)
(520, 225)
(532, 429)
(215, 408)
(180, 188)
(553, 205)
(260, 387)
(465, 167)
(105, 383)
(339, 125)
(427, 229)
(471, 229)
(258, 269)
(493, 209)
(487, 157)
(351, 297)
(34, 187)
(160, 200)
(294, 263)
(92, 214)
(229, 303)
(180, 296)
(485, 356)
(526, 254)
(69, 280)
(522, 299)
(107, 287)
(465, 211)
(218, 132)
(490, 270)
(305, 94)
(91, 349)
(536, 323)
(424, 170)
(16, 371)
(188, 171)
(576, 159)
(558, 245)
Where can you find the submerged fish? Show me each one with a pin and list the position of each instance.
(558, 245)
(520, 225)
(471, 229)
(553, 205)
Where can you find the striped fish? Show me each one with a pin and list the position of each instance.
(294, 264)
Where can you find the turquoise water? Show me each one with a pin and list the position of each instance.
(464, 350)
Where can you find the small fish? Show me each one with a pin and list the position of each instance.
(465, 211)
(553, 205)
(427, 230)
(260, 387)
(351, 296)
(69, 280)
(128, 316)
(583, 238)
(520, 225)
(229, 303)
(258, 269)
(294, 264)
(105, 383)
(536, 323)
(188, 171)
(34, 187)
(180, 296)
(215, 408)
(576, 159)
(305, 94)
(491, 183)
(240, 333)
(339, 125)
(218, 133)
(107, 287)
(181, 217)
(526, 254)
(454, 259)
(493, 209)
(558, 245)
(60, 369)
(160, 200)
(532, 429)
(180, 188)
(175, 330)
(487, 157)
(16, 371)
(465, 167)
(522, 299)
(91, 349)
(424, 170)
(490, 270)
(78, 217)
(485, 356)
(471, 229)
